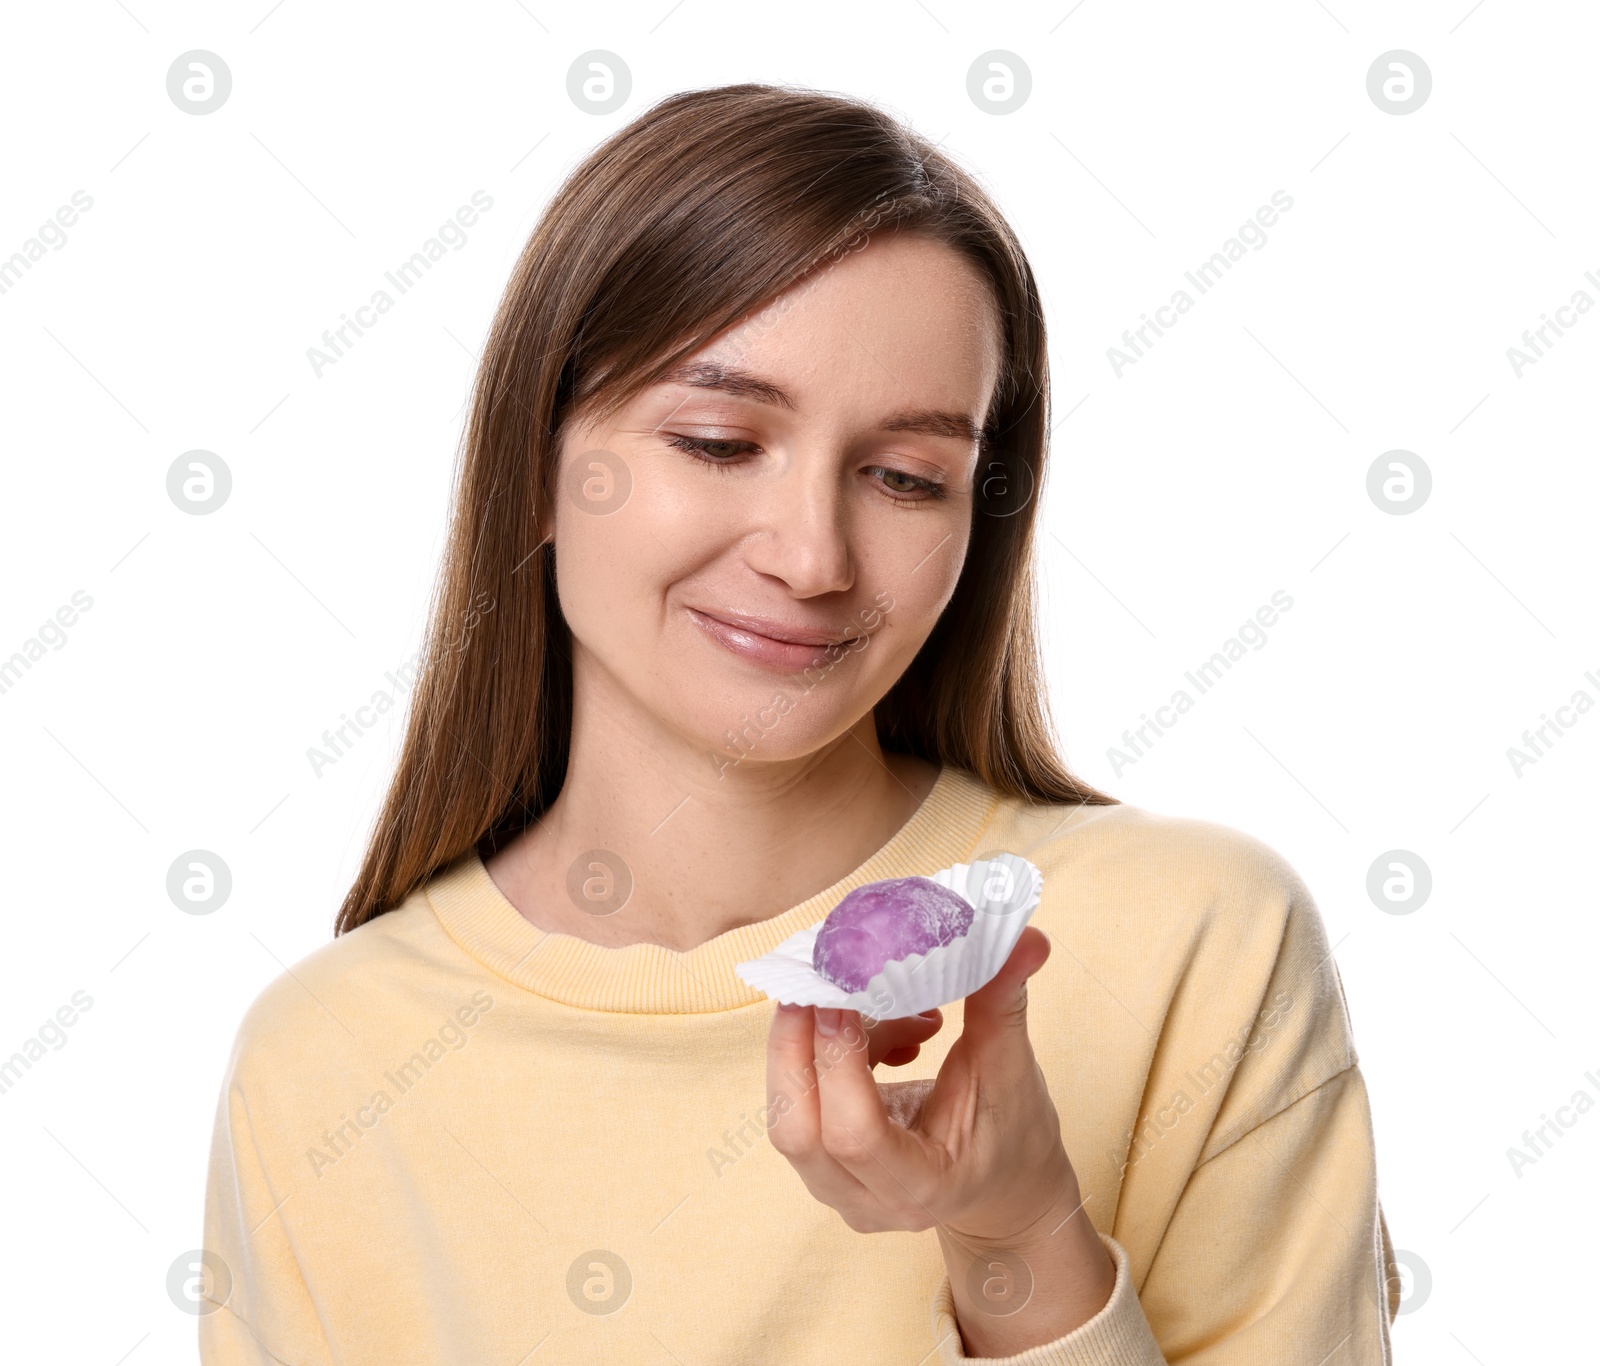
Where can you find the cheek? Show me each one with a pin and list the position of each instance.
(603, 574)
(912, 581)
(616, 559)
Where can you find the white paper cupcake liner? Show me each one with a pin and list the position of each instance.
(1003, 891)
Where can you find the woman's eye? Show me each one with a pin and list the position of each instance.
(712, 451)
(908, 488)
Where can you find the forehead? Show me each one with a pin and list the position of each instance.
(904, 320)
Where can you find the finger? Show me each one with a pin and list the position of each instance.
(794, 1115)
(794, 1111)
(994, 1027)
(886, 1037)
(1001, 1004)
(856, 1130)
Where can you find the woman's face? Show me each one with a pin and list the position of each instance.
(754, 551)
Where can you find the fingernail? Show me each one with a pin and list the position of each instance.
(827, 1020)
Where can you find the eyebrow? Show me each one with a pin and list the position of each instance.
(730, 379)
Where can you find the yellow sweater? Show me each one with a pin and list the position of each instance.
(448, 1137)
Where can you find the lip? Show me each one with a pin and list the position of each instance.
(762, 640)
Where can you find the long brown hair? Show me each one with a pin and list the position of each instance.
(699, 213)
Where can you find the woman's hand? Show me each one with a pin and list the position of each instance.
(976, 1154)
(894, 1043)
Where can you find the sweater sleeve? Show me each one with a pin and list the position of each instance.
(259, 1296)
(1277, 1251)
(1119, 1335)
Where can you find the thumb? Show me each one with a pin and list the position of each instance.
(1001, 1003)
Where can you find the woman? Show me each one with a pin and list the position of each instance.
(736, 615)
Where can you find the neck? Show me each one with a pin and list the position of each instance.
(709, 843)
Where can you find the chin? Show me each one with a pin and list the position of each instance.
(765, 724)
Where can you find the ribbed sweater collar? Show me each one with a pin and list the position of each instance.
(650, 979)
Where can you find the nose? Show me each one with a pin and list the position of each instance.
(803, 529)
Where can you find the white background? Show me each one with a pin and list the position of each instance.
(1230, 461)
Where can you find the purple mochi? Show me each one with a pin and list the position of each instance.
(883, 922)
